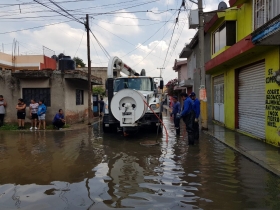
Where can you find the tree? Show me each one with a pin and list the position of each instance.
(98, 90)
(170, 87)
(79, 62)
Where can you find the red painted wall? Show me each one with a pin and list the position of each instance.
(49, 63)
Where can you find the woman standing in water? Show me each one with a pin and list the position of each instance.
(21, 106)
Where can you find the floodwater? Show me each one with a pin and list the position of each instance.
(87, 169)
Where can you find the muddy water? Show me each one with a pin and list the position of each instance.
(86, 169)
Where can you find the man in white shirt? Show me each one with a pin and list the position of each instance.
(3, 105)
(33, 108)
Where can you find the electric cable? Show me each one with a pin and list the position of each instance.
(7, 32)
(166, 133)
(100, 45)
(79, 44)
(152, 50)
(149, 37)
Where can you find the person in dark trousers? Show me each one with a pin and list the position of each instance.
(21, 113)
(3, 105)
(175, 112)
(58, 120)
(188, 116)
(101, 107)
(196, 108)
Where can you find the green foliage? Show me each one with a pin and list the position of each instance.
(79, 62)
(8, 127)
(98, 90)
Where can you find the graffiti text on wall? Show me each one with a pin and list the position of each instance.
(270, 78)
(272, 103)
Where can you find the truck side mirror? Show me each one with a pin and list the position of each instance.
(106, 84)
(161, 84)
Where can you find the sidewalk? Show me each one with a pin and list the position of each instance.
(259, 152)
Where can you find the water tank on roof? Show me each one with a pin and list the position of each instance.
(66, 63)
(61, 55)
(55, 57)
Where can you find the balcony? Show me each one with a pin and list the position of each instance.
(268, 34)
(186, 83)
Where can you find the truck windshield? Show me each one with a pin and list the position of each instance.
(144, 84)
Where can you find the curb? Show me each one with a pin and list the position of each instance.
(247, 155)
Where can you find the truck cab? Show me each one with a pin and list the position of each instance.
(133, 102)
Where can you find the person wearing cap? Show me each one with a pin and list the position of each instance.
(196, 108)
(188, 116)
(175, 113)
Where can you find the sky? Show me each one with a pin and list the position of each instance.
(137, 31)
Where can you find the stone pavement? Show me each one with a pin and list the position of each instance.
(263, 154)
(259, 152)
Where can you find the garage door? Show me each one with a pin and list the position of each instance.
(251, 104)
(219, 111)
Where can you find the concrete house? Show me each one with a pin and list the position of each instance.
(26, 62)
(101, 72)
(65, 90)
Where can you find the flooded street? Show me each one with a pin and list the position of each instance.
(87, 169)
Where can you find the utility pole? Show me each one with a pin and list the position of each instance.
(160, 70)
(89, 73)
(203, 103)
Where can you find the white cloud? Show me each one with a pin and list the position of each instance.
(169, 2)
(122, 26)
(155, 14)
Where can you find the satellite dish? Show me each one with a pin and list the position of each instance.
(222, 6)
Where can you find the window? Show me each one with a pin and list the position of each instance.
(79, 97)
(144, 84)
(37, 94)
(265, 10)
(219, 39)
(225, 35)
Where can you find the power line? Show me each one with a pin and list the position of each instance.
(153, 48)
(56, 11)
(35, 27)
(149, 37)
(79, 44)
(100, 45)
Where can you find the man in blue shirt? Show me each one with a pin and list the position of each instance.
(58, 120)
(176, 110)
(196, 108)
(188, 116)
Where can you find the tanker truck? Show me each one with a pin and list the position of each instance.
(134, 100)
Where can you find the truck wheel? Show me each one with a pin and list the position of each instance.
(106, 129)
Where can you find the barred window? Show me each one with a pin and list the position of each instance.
(265, 10)
(36, 94)
(79, 97)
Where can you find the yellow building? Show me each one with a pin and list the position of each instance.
(244, 68)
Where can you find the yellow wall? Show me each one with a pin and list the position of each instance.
(272, 61)
(272, 124)
(243, 17)
(229, 91)
(244, 21)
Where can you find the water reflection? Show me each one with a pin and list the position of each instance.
(89, 170)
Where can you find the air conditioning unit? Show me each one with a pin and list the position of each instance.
(193, 19)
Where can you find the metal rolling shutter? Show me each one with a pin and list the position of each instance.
(251, 104)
